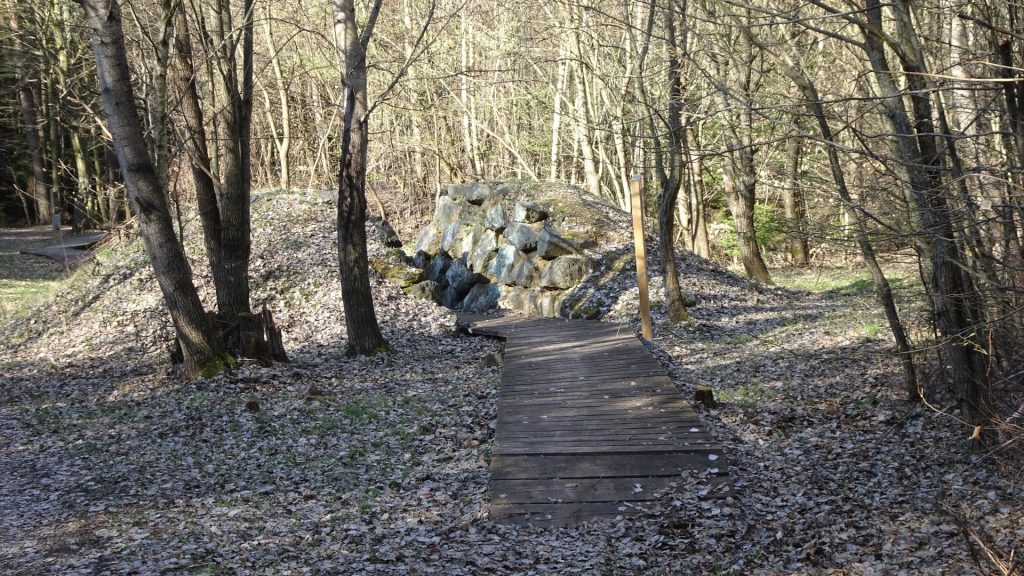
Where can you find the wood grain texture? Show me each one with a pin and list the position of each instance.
(589, 424)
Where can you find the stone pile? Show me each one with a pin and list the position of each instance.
(526, 247)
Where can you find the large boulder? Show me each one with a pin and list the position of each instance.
(427, 290)
(522, 236)
(539, 249)
(394, 268)
(483, 251)
(481, 298)
(565, 272)
(439, 267)
(477, 193)
(495, 219)
(429, 240)
(552, 244)
(503, 261)
(460, 278)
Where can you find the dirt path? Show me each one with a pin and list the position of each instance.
(25, 278)
(17, 266)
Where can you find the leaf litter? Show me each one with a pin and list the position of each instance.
(335, 465)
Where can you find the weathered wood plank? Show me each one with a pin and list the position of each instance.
(510, 467)
(681, 434)
(560, 490)
(560, 514)
(531, 430)
(632, 447)
(589, 425)
(605, 420)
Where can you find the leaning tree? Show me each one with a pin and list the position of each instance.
(199, 344)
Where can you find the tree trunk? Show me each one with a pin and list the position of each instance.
(28, 100)
(364, 336)
(671, 180)
(556, 111)
(793, 203)
(233, 200)
(951, 292)
(194, 128)
(37, 179)
(195, 332)
(698, 213)
(283, 142)
(739, 173)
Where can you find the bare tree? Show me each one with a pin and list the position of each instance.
(364, 336)
(200, 346)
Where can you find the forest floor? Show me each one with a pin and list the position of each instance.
(333, 465)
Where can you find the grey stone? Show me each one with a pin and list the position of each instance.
(551, 244)
(492, 360)
(526, 270)
(477, 193)
(438, 267)
(529, 303)
(460, 277)
(514, 297)
(450, 298)
(429, 240)
(451, 238)
(470, 239)
(527, 212)
(427, 290)
(522, 236)
(481, 298)
(483, 251)
(448, 211)
(496, 218)
(422, 259)
(566, 272)
(458, 191)
(503, 261)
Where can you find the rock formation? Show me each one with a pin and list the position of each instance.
(539, 249)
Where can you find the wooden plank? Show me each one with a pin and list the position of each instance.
(584, 422)
(510, 467)
(585, 415)
(556, 490)
(517, 412)
(632, 447)
(542, 396)
(612, 372)
(597, 430)
(512, 430)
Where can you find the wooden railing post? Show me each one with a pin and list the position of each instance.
(636, 205)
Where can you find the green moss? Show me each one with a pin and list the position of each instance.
(222, 363)
(382, 349)
(392, 267)
(681, 316)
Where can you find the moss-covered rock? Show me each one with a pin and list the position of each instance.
(394, 268)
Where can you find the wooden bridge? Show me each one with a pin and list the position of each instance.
(589, 424)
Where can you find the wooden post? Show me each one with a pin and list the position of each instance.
(636, 204)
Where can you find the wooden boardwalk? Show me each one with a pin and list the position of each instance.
(589, 424)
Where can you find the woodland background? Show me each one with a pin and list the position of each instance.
(780, 138)
(789, 130)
